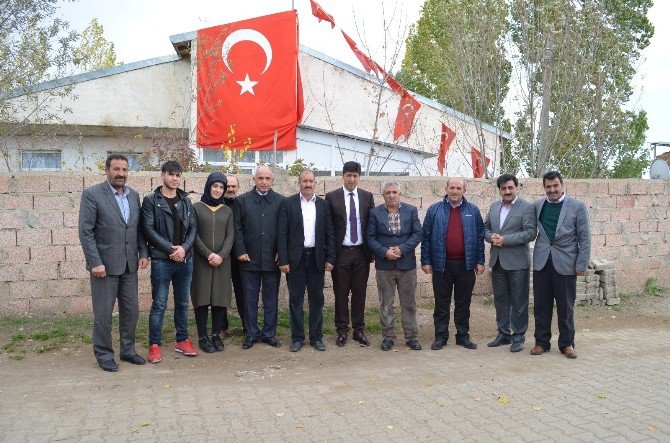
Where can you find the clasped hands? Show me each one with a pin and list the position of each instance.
(393, 253)
(497, 240)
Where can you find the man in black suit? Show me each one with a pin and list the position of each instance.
(306, 244)
(349, 208)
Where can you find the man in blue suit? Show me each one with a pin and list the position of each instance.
(393, 233)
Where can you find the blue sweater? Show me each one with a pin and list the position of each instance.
(433, 249)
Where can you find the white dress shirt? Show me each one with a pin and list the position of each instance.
(504, 211)
(347, 235)
(309, 220)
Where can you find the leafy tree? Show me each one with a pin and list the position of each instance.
(94, 51)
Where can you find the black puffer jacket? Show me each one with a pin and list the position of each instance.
(158, 226)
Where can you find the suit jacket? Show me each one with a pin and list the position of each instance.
(380, 238)
(519, 229)
(105, 237)
(291, 233)
(571, 247)
(338, 212)
(256, 220)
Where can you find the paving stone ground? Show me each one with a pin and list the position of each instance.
(617, 390)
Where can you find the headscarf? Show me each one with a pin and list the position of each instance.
(207, 195)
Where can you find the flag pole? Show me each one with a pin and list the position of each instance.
(274, 151)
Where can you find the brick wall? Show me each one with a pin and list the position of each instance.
(42, 265)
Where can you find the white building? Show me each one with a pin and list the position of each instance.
(147, 105)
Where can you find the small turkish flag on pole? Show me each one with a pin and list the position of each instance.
(368, 64)
(249, 84)
(318, 12)
(478, 168)
(406, 111)
(448, 136)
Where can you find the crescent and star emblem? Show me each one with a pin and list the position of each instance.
(242, 35)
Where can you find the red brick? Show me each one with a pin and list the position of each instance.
(638, 187)
(30, 236)
(7, 238)
(625, 201)
(39, 271)
(635, 239)
(14, 255)
(657, 187)
(577, 187)
(630, 227)
(71, 219)
(636, 214)
(17, 307)
(73, 269)
(35, 183)
(648, 226)
(66, 183)
(140, 183)
(74, 253)
(197, 184)
(80, 305)
(9, 273)
(65, 236)
(93, 179)
(62, 202)
(428, 201)
(615, 240)
(4, 183)
(598, 187)
(598, 240)
(27, 289)
(41, 254)
(11, 219)
(16, 201)
(599, 215)
(42, 219)
(618, 187)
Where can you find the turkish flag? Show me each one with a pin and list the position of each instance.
(367, 62)
(249, 84)
(405, 118)
(318, 12)
(448, 136)
(478, 168)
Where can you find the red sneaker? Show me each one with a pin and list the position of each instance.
(155, 353)
(186, 348)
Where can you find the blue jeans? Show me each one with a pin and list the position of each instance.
(162, 273)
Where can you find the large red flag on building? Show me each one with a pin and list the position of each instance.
(249, 84)
(478, 168)
(405, 118)
(448, 136)
(318, 12)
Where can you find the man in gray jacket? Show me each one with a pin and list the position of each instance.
(562, 252)
(509, 226)
(111, 237)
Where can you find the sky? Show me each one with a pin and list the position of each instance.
(140, 30)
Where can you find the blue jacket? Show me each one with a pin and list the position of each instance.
(380, 238)
(433, 249)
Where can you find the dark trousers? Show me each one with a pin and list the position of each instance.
(105, 291)
(458, 279)
(350, 275)
(239, 295)
(217, 319)
(252, 282)
(306, 276)
(549, 285)
(510, 296)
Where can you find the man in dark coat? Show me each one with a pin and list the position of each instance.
(229, 200)
(306, 250)
(256, 223)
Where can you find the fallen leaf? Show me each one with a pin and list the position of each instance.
(395, 350)
(361, 402)
(537, 408)
(145, 424)
(586, 330)
(429, 384)
(503, 400)
(601, 396)
(299, 426)
(279, 414)
(651, 428)
(391, 427)
(636, 412)
(477, 399)
(168, 386)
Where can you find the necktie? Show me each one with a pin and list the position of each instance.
(352, 219)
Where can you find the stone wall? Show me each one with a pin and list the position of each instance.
(42, 266)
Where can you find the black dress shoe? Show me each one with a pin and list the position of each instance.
(466, 343)
(341, 339)
(360, 337)
(413, 344)
(499, 341)
(438, 344)
(387, 344)
(517, 346)
(206, 345)
(217, 342)
(271, 341)
(318, 345)
(108, 365)
(295, 346)
(134, 359)
(248, 343)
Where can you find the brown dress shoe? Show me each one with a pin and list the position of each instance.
(569, 352)
(360, 337)
(341, 339)
(537, 350)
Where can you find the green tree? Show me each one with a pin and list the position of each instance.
(94, 51)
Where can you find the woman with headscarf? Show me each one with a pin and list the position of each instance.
(211, 284)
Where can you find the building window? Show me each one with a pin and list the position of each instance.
(267, 157)
(41, 161)
(133, 159)
(247, 161)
